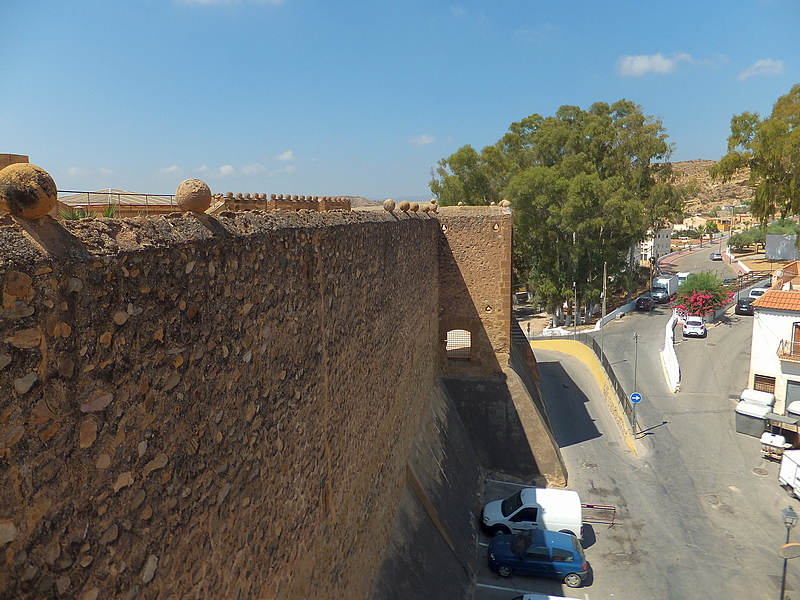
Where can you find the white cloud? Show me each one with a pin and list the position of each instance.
(641, 64)
(422, 140)
(174, 169)
(253, 169)
(289, 169)
(458, 12)
(202, 169)
(766, 66)
(287, 155)
(226, 170)
(76, 172)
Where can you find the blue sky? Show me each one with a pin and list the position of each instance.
(314, 97)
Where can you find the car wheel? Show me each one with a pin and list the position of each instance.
(500, 530)
(573, 580)
(567, 531)
(506, 571)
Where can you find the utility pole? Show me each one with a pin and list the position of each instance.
(575, 311)
(605, 275)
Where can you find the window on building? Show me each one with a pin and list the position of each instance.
(764, 383)
(795, 351)
(459, 344)
(792, 391)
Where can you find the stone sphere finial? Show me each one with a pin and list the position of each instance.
(426, 208)
(505, 203)
(27, 191)
(414, 207)
(388, 205)
(433, 201)
(193, 195)
(404, 205)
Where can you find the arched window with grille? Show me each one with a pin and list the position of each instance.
(459, 345)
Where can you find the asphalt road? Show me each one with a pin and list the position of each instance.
(698, 508)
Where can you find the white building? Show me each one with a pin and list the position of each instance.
(655, 245)
(775, 350)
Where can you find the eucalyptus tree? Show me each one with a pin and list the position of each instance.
(770, 148)
(585, 186)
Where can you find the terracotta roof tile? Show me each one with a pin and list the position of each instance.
(779, 299)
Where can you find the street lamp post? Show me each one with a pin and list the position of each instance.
(790, 520)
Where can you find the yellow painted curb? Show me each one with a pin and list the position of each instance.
(584, 354)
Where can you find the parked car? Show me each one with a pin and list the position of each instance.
(694, 326)
(744, 306)
(645, 302)
(536, 508)
(716, 256)
(757, 292)
(729, 281)
(539, 553)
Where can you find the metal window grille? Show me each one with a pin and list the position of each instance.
(459, 344)
(763, 383)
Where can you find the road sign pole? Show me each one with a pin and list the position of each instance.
(636, 397)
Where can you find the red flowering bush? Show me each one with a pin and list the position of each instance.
(701, 294)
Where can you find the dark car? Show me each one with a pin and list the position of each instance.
(645, 302)
(744, 306)
(541, 553)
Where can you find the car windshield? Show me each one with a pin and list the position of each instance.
(511, 504)
(520, 541)
(694, 322)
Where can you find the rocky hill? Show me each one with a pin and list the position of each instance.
(713, 193)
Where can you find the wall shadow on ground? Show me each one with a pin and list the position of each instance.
(566, 405)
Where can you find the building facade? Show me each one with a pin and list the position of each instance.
(775, 350)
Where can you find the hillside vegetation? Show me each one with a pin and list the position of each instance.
(713, 193)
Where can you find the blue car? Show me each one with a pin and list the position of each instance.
(540, 553)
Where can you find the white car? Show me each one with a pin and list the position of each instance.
(757, 292)
(694, 326)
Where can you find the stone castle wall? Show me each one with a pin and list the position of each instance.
(210, 407)
(475, 273)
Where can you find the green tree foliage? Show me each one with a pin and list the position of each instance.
(758, 235)
(770, 147)
(701, 294)
(584, 186)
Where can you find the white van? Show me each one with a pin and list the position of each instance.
(757, 292)
(536, 508)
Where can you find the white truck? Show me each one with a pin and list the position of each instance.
(683, 276)
(789, 474)
(536, 508)
(664, 288)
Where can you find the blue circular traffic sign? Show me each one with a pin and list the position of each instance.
(636, 397)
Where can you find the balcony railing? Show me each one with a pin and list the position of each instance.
(789, 350)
